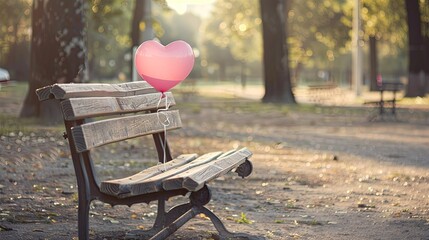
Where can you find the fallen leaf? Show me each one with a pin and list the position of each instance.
(203, 216)
(4, 228)
(111, 220)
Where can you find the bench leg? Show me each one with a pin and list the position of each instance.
(191, 213)
(157, 225)
(176, 212)
(223, 232)
(162, 220)
(174, 226)
(160, 216)
(169, 222)
(183, 213)
(83, 217)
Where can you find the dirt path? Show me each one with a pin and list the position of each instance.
(317, 175)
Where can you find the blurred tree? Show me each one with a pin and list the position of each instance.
(318, 33)
(383, 21)
(108, 38)
(215, 52)
(180, 27)
(312, 40)
(114, 28)
(278, 86)
(138, 25)
(15, 37)
(175, 26)
(57, 51)
(143, 20)
(416, 76)
(234, 25)
(219, 56)
(424, 6)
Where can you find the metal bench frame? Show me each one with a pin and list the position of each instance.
(383, 103)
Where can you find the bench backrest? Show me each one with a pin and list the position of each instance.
(111, 102)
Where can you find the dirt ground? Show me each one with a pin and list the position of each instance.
(322, 173)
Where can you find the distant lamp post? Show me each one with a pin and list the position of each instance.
(357, 49)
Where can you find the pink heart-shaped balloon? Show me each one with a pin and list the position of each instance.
(164, 67)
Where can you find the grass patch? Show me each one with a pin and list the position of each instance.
(219, 95)
(10, 124)
(240, 105)
(11, 98)
(414, 101)
(17, 91)
(243, 219)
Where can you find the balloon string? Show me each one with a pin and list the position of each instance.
(165, 123)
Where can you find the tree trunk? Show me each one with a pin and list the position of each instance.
(373, 68)
(243, 75)
(426, 65)
(416, 83)
(135, 30)
(296, 73)
(57, 51)
(278, 87)
(425, 28)
(222, 71)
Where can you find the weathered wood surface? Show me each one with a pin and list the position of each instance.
(70, 90)
(44, 93)
(198, 177)
(191, 175)
(118, 186)
(138, 186)
(79, 108)
(195, 178)
(227, 153)
(175, 182)
(94, 134)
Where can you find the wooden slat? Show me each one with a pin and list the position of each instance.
(94, 134)
(154, 184)
(195, 178)
(70, 90)
(79, 108)
(44, 93)
(63, 91)
(120, 186)
(228, 153)
(176, 181)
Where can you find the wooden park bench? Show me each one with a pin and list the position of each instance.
(6, 83)
(382, 103)
(129, 110)
(319, 93)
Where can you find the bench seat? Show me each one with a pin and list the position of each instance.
(378, 102)
(186, 172)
